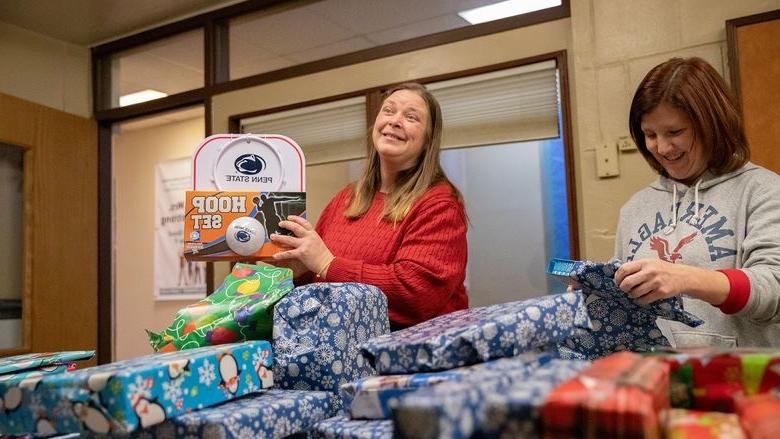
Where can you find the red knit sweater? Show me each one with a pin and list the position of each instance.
(419, 264)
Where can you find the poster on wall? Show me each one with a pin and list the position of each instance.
(175, 278)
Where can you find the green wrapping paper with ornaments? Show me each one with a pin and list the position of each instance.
(240, 309)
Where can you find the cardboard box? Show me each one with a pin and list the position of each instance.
(208, 216)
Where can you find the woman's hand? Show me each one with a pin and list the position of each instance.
(648, 280)
(307, 245)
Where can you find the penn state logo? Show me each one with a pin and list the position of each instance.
(249, 164)
(243, 236)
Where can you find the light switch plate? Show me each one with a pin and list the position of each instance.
(607, 161)
(624, 143)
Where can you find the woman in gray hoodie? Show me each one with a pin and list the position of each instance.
(709, 227)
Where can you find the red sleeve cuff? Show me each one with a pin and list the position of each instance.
(739, 291)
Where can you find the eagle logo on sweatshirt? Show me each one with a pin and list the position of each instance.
(661, 246)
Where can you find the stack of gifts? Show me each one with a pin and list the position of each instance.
(127, 395)
(443, 371)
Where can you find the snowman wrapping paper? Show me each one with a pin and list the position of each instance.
(126, 395)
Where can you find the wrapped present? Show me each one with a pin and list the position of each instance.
(619, 323)
(373, 397)
(272, 414)
(759, 415)
(618, 396)
(712, 379)
(240, 309)
(41, 360)
(318, 329)
(341, 427)
(141, 392)
(477, 335)
(460, 409)
(693, 424)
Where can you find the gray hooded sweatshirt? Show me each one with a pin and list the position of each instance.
(726, 221)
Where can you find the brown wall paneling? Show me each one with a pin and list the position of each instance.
(61, 227)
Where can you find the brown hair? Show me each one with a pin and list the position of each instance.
(694, 87)
(411, 183)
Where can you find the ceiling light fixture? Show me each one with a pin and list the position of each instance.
(140, 96)
(508, 8)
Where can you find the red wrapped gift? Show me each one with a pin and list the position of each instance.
(618, 396)
(694, 424)
(760, 415)
(716, 378)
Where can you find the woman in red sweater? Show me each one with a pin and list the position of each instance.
(401, 227)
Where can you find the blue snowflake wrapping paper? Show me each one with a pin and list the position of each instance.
(318, 329)
(619, 323)
(477, 335)
(272, 414)
(373, 397)
(138, 393)
(460, 409)
(341, 427)
(515, 412)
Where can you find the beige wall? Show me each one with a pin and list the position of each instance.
(615, 43)
(45, 71)
(135, 155)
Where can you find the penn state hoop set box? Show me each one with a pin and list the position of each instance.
(243, 186)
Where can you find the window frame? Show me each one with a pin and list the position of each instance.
(216, 81)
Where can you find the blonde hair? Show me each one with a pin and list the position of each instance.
(412, 183)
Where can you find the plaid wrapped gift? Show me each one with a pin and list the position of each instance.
(460, 409)
(272, 414)
(318, 329)
(692, 424)
(712, 379)
(373, 397)
(141, 392)
(759, 415)
(619, 323)
(477, 335)
(341, 427)
(618, 396)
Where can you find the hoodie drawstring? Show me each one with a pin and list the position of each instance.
(696, 200)
(673, 223)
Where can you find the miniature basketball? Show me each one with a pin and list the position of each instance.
(245, 235)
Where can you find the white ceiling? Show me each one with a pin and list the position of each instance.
(293, 33)
(90, 22)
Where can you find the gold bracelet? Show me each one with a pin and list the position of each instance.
(325, 266)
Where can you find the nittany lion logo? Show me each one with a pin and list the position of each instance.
(243, 235)
(249, 164)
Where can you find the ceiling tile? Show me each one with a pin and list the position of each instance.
(420, 28)
(329, 50)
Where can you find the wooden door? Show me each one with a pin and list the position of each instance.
(59, 306)
(754, 57)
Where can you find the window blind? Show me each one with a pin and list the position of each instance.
(330, 132)
(511, 105)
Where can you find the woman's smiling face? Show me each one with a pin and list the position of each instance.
(671, 139)
(400, 129)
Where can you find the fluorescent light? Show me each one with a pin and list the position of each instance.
(140, 96)
(505, 9)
